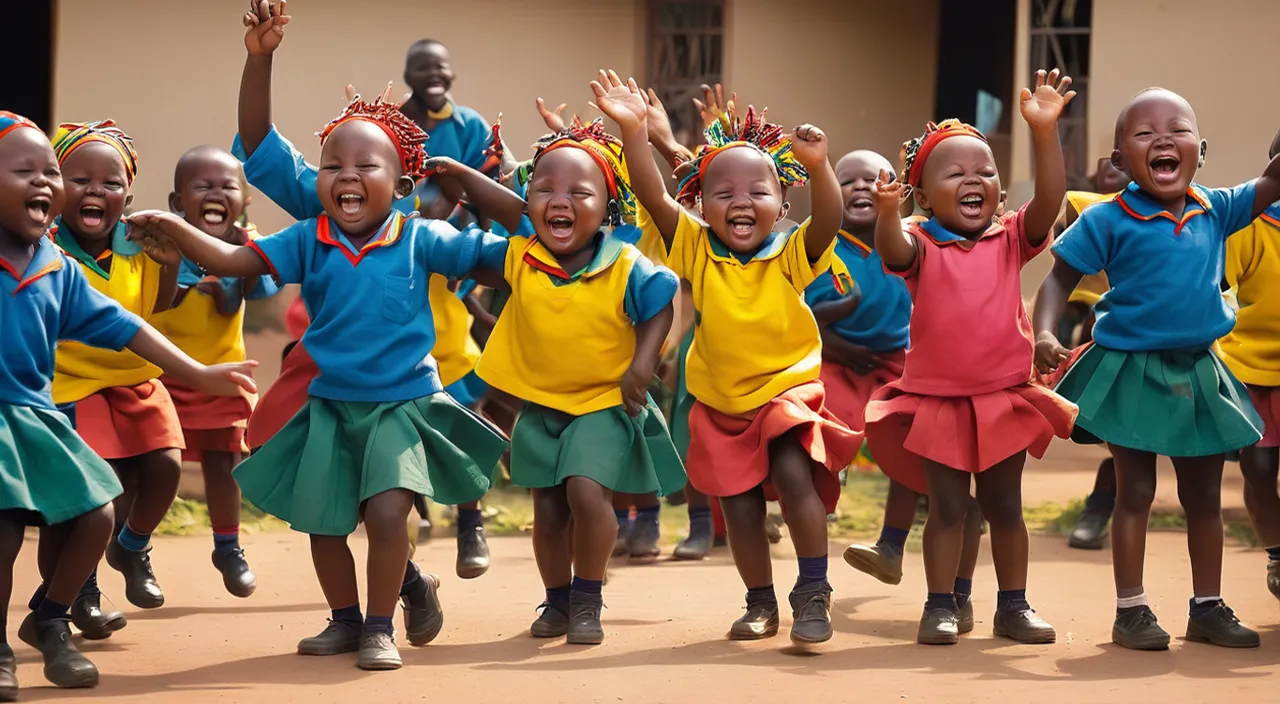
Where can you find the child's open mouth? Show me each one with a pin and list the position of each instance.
(861, 204)
(742, 225)
(92, 216)
(437, 88)
(213, 214)
(38, 208)
(971, 206)
(1165, 169)
(561, 227)
(350, 203)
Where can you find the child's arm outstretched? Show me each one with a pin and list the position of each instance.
(826, 204)
(1051, 303)
(493, 200)
(1041, 109)
(156, 229)
(1268, 185)
(896, 248)
(624, 104)
(649, 338)
(265, 24)
(218, 379)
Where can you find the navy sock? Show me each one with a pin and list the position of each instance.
(896, 537)
(412, 575)
(133, 541)
(558, 597)
(350, 614)
(1199, 608)
(944, 600)
(648, 515)
(34, 602)
(700, 523)
(624, 517)
(50, 611)
(812, 569)
(91, 584)
(469, 519)
(587, 586)
(1273, 554)
(964, 587)
(1011, 598)
(379, 624)
(226, 541)
(759, 594)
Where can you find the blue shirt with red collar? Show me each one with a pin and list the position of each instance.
(1165, 272)
(882, 320)
(50, 301)
(371, 330)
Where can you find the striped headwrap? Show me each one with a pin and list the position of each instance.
(916, 151)
(605, 150)
(71, 136)
(409, 139)
(730, 131)
(11, 121)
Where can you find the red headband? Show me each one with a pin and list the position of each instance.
(605, 168)
(933, 136)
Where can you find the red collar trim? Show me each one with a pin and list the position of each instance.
(389, 235)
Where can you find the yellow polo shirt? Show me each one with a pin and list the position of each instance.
(1252, 349)
(455, 352)
(1090, 289)
(754, 337)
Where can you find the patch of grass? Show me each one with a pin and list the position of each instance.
(188, 517)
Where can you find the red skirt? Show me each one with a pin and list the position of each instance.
(285, 397)
(968, 433)
(128, 421)
(848, 392)
(210, 423)
(1266, 400)
(729, 455)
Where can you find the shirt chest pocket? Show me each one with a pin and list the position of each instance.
(402, 297)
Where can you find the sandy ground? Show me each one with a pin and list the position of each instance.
(665, 625)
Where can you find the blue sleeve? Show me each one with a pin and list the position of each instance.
(286, 251)
(650, 288)
(282, 174)
(189, 273)
(91, 317)
(1233, 206)
(454, 254)
(265, 288)
(1086, 245)
(476, 135)
(822, 289)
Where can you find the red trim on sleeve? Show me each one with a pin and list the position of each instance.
(254, 246)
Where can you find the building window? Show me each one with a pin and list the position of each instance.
(686, 50)
(1060, 39)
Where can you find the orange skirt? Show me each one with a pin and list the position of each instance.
(848, 392)
(128, 421)
(729, 455)
(285, 397)
(210, 423)
(1266, 401)
(968, 433)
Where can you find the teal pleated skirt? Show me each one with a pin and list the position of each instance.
(47, 473)
(1177, 404)
(625, 454)
(683, 402)
(317, 472)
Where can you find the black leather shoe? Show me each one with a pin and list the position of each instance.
(423, 615)
(236, 575)
(551, 623)
(8, 674)
(140, 586)
(584, 619)
(473, 553)
(811, 613)
(64, 666)
(91, 620)
(336, 638)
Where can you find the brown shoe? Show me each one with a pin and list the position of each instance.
(1021, 623)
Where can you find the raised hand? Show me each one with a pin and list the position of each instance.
(264, 23)
(889, 195)
(1042, 106)
(621, 102)
(713, 104)
(553, 119)
(809, 144)
(660, 131)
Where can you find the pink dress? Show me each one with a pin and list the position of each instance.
(966, 398)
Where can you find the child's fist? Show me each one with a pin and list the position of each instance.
(889, 194)
(809, 144)
(264, 23)
(1042, 107)
(1050, 353)
(621, 102)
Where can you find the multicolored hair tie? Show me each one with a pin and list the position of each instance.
(728, 132)
(71, 136)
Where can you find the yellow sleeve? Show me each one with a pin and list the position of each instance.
(515, 252)
(684, 248)
(1241, 248)
(151, 274)
(796, 263)
(650, 244)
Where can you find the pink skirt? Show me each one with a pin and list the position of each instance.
(210, 423)
(729, 455)
(848, 392)
(128, 421)
(1266, 400)
(968, 433)
(284, 399)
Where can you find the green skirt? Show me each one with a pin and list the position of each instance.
(625, 454)
(683, 402)
(1177, 404)
(46, 471)
(317, 472)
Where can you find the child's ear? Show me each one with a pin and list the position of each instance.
(782, 213)
(404, 187)
(922, 199)
(1204, 151)
(175, 205)
(1117, 160)
(128, 201)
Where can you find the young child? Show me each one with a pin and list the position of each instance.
(207, 321)
(114, 398)
(376, 429)
(48, 475)
(1151, 383)
(282, 173)
(758, 424)
(964, 411)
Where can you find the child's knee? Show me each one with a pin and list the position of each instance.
(1136, 494)
(1200, 498)
(948, 511)
(385, 514)
(100, 521)
(1259, 467)
(586, 495)
(790, 468)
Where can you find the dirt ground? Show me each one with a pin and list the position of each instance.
(665, 626)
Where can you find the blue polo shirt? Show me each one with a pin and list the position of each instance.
(50, 301)
(371, 331)
(1164, 271)
(882, 320)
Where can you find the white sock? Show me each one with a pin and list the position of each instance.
(1128, 602)
(1207, 599)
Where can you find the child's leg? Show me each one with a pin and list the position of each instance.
(384, 519)
(158, 474)
(1091, 529)
(590, 505)
(1135, 626)
(1259, 466)
(744, 517)
(622, 513)
(791, 470)
(10, 545)
(697, 544)
(473, 547)
(968, 564)
(336, 571)
(552, 548)
(943, 544)
(223, 496)
(884, 559)
(642, 543)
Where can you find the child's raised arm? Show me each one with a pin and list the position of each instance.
(1041, 109)
(661, 136)
(624, 104)
(265, 22)
(494, 200)
(1268, 186)
(153, 228)
(1051, 303)
(826, 204)
(897, 250)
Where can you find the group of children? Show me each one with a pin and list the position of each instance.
(893, 314)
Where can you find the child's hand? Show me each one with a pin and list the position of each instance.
(154, 230)
(809, 144)
(1049, 353)
(226, 379)
(635, 389)
(713, 104)
(659, 122)
(161, 250)
(621, 102)
(265, 23)
(889, 195)
(441, 166)
(553, 119)
(1042, 107)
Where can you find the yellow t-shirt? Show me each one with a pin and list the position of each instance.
(650, 244)
(198, 328)
(754, 337)
(456, 352)
(563, 344)
(133, 282)
(1090, 289)
(1252, 349)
